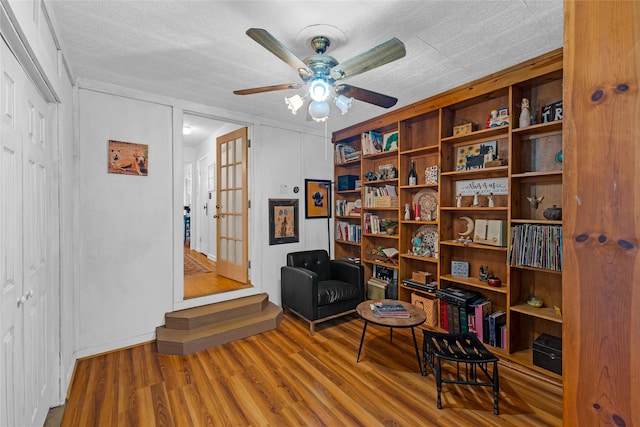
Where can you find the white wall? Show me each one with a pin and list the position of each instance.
(127, 241)
(126, 237)
(284, 157)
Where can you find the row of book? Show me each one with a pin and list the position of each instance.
(536, 245)
(347, 208)
(371, 193)
(346, 153)
(348, 232)
(477, 317)
(371, 142)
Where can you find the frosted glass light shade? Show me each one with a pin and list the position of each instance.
(319, 111)
(343, 103)
(294, 103)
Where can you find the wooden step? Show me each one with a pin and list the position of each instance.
(193, 318)
(182, 342)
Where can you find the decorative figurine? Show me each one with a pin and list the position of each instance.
(525, 114)
(490, 200)
(407, 211)
(476, 204)
(484, 273)
(459, 201)
(535, 201)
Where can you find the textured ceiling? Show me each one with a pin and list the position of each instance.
(198, 50)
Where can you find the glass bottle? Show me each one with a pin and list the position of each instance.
(413, 177)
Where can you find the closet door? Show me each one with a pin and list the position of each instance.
(26, 366)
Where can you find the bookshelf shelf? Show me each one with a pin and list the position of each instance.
(473, 245)
(542, 312)
(382, 235)
(479, 134)
(419, 258)
(346, 242)
(474, 282)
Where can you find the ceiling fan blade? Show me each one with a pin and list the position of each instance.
(379, 55)
(267, 89)
(365, 95)
(273, 45)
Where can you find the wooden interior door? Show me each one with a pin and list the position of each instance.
(231, 211)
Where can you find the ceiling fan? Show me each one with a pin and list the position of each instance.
(322, 71)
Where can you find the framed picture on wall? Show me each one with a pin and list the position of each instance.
(317, 199)
(283, 221)
(128, 158)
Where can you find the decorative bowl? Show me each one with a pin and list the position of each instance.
(494, 281)
(534, 302)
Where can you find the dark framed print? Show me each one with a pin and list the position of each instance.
(317, 200)
(283, 221)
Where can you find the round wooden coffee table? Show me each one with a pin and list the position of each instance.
(417, 317)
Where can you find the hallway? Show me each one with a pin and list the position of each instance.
(201, 278)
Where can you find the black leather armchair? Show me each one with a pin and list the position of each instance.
(318, 289)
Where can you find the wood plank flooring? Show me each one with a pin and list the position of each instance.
(201, 284)
(285, 377)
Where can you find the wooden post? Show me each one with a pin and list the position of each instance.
(601, 221)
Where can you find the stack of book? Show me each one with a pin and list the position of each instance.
(389, 309)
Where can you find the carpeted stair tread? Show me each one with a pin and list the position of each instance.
(181, 342)
(193, 318)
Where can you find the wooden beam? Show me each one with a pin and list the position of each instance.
(601, 202)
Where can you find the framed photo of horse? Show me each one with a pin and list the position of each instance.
(317, 198)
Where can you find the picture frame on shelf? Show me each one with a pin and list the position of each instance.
(317, 200)
(283, 221)
(390, 141)
(474, 156)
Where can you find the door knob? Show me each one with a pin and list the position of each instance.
(30, 294)
(21, 300)
(215, 216)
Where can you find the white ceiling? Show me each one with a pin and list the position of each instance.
(198, 50)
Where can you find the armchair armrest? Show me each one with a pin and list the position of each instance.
(299, 290)
(348, 272)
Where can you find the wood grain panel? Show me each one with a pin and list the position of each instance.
(601, 295)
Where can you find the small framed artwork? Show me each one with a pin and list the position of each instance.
(283, 221)
(317, 201)
(476, 155)
(460, 268)
(390, 141)
(128, 158)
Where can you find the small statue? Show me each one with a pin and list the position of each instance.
(525, 115)
(476, 204)
(417, 244)
(407, 211)
(535, 201)
(459, 201)
(484, 273)
(490, 200)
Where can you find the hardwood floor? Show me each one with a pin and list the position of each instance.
(201, 284)
(285, 377)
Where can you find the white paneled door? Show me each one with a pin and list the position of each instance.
(232, 206)
(26, 358)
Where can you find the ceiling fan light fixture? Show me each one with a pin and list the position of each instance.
(319, 110)
(343, 103)
(294, 102)
(319, 90)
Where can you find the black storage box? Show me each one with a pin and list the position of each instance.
(347, 182)
(547, 353)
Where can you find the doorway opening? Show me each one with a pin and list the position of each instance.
(200, 205)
